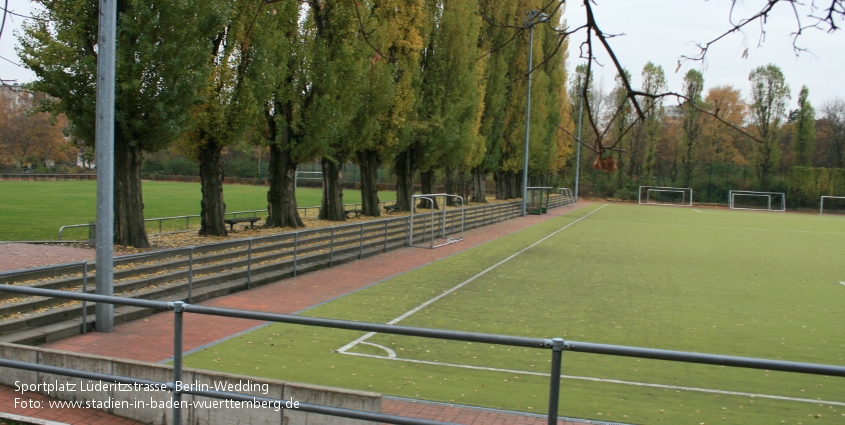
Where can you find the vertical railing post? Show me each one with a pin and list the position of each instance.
(249, 265)
(177, 360)
(190, 273)
(187, 223)
(295, 246)
(331, 248)
(159, 226)
(361, 247)
(385, 235)
(84, 291)
(554, 385)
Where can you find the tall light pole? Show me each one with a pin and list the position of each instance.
(104, 149)
(581, 92)
(534, 17)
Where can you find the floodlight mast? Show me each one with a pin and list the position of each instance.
(104, 146)
(532, 20)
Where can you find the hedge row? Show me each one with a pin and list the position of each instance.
(807, 185)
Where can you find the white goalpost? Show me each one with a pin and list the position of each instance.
(434, 226)
(662, 195)
(307, 175)
(757, 201)
(837, 201)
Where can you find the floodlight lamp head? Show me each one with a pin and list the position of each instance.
(535, 17)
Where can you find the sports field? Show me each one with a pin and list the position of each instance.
(705, 280)
(35, 210)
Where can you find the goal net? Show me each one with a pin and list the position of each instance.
(832, 205)
(661, 195)
(756, 201)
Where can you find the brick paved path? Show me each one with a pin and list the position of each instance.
(151, 339)
(14, 256)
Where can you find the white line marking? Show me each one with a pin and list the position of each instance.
(842, 283)
(610, 381)
(390, 353)
(721, 227)
(696, 210)
(462, 284)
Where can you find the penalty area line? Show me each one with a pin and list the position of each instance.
(608, 381)
(464, 283)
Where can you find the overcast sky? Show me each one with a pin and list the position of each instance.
(660, 31)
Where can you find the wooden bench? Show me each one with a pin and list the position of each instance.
(392, 208)
(233, 221)
(350, 212)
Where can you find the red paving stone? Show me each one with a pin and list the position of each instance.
(68, 416)
(151, 339)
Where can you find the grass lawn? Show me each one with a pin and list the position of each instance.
(714, 281)
(35, 210)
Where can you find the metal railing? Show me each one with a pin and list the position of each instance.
(556, 345)
(242, 263)
(252, 213)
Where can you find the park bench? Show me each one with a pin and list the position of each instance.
(392, 208)
(350, 212)
(233, 221)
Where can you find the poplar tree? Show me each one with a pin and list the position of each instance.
(693, 88)
(493, 41)
(805, 133)
(769, 95)
(160, 67)
(449, 105)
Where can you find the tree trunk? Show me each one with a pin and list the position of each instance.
(405, 169)
(331, 207)
(281, 197)
(479, 186)
(427, 185)
(128, 201)
(369, 162)
(211, 178)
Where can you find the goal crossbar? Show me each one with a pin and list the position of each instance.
(686, 195)
(768, 195)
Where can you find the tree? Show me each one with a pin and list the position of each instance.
(831, 146)
(449, 105)
(28, 136)
(720, 142)
(227, 106)
(161, 57)
(654, 83)
(803, 144)
(769, 95)
(693, 88)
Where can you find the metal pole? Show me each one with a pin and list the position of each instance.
(527, 110)
(190, 273)
(295, 246)
(104, 146)
(85, 291)
(177, 360)
(578, 148)
(249, 265)
(554, 385)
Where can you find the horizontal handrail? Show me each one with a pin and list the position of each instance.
(515, 341)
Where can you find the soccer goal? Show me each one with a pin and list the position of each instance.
(756, 201)
(308, 176)
(832, 205)
(565, 197)
(661, 195)
(437, 226)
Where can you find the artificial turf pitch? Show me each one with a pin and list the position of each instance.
(740, 283)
